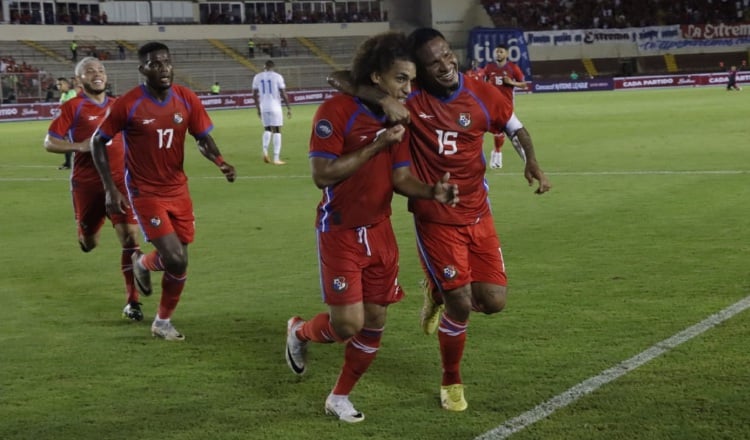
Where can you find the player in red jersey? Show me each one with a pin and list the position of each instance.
(506, 76)
(359, 163)
(475, 71)
(458, 247)
(155, 118)
(70, 132)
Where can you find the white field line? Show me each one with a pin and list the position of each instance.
(590, 385)
(66, 176)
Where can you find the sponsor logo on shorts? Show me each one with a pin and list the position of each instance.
(340, 284)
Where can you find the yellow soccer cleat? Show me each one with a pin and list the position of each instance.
(452, 397)
(429, 316)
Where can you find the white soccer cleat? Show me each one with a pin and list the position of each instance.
(166, 331)
(141, 275)
(341, 407)
(296, 350)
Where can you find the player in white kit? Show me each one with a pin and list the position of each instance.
(268, 91)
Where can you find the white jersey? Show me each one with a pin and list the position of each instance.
(268, 84)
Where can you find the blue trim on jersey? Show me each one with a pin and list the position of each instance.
(204, 133)
(320, 266)
(323, 154)
(402, 164)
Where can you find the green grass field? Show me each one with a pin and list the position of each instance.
(644, 234)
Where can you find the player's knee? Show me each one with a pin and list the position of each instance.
(494, 303)
(346, 329)
(175, 262)
(87, 244)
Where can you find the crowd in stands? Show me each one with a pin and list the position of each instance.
(83, 15)
(20, 80)
(602, 14)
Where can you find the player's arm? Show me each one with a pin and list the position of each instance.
(56, 145)
(209, 150)
(256, 100)
(408, 185)
(115, 200)
(285, 98)
(507, 80)
(523, 144)
(394, 111)
(327, 171)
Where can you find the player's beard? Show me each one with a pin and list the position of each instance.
(91, 90)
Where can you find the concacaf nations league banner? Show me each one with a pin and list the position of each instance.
(482, 43)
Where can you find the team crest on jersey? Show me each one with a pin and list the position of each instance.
(449, 272)
(178, 118)
(464, 119)
(155, 221)
(323, 129)
(340, 284)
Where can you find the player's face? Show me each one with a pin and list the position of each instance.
(93, 78)
(501, 54)
(396, 81)
(158, 70)
(439, 66)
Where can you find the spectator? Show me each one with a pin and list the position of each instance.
(121, 51)
(574, 75)
(283, 45)
(74, 51)
(215, 88)
(250, 48)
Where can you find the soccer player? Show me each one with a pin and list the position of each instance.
(359, 163)
(475, 71)
(458, 247)
(732, 79)
(268, 91)
(67, 92)
(71, 132)
(506, 76)
(155, 118)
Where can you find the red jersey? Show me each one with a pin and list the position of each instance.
(447, 136)
(154, 137)
(477, 74)
(342, 124)
(495, 74)
(78, 119)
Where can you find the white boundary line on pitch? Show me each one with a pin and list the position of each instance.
(590, 385)
(66, 177)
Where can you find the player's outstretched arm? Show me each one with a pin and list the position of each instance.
(209, 150)
(55, 145)
(532, 171)
(328, 172)
(409, 185)
(115, 200)
(395, 112)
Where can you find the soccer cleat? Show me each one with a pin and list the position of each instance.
(132, 311)
(166, 331)
(266, 159)
(141, 276)
(64, 167)
(279, 162)
(342, 408)
(452, 397)
(429, 316)
(496, 160)
(296, 350)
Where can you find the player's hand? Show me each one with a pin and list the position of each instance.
(445, 192)
(116, 203)
(390, 136)
(228, 172)
(395, 112)
(533, 172)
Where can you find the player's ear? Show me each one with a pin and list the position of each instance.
(375, 78)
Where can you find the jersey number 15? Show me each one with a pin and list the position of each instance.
(447, 142)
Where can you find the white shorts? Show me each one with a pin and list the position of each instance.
(274, 118)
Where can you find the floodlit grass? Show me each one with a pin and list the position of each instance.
(645, 233)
